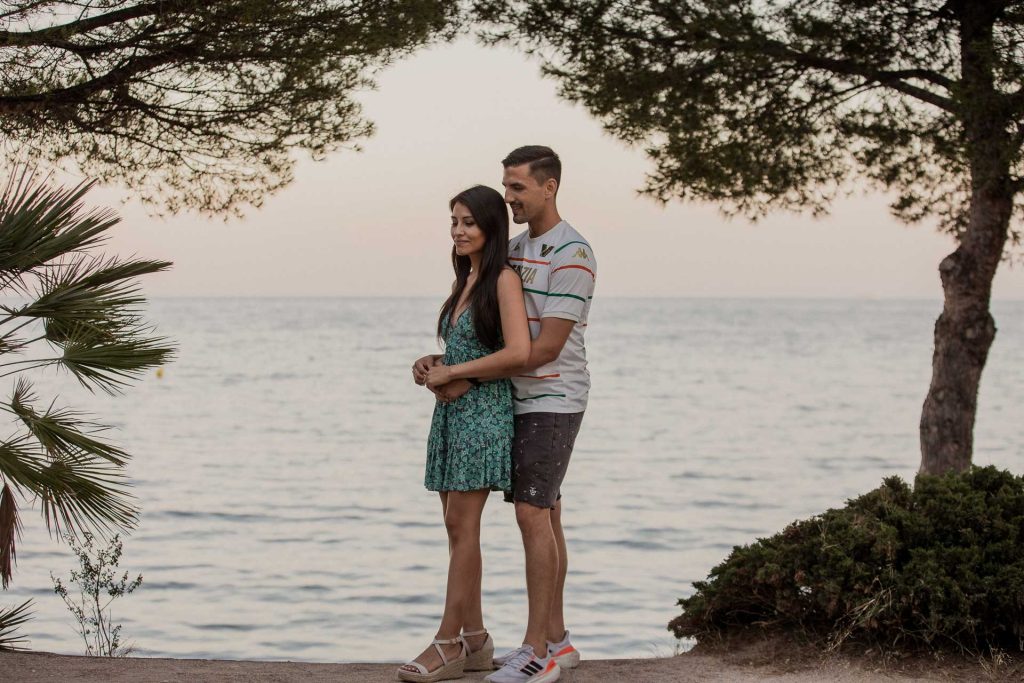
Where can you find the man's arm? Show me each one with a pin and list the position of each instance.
(554, 332)
(515, 330)
(571, 284)
(545, 348)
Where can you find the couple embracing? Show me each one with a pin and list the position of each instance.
(511, 389)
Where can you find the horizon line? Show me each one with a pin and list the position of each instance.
(757, 297)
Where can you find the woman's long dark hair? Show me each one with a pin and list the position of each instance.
(488, 209)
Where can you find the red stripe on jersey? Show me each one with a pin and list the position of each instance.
(575, 266)
(526, 260)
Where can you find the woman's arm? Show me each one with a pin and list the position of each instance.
(514, 328)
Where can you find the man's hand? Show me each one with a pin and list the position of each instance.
(446, 393)
(422, 366)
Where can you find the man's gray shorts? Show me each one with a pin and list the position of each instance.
(540, 456)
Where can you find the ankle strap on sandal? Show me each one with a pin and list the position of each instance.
(457, 640)
(447, 641)
(470, 634)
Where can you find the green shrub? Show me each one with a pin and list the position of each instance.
(937, 567)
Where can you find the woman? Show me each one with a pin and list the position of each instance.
(484, 329)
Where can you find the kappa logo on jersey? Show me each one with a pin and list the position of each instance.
(545, 250)
(581, 253)
(527, 275)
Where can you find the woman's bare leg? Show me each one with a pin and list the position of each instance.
(462, 605)
(473, 615)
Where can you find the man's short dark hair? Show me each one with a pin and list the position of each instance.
(544, 163)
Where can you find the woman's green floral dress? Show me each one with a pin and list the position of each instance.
(470, 444)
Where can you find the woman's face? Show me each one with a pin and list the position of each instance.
(466, 234)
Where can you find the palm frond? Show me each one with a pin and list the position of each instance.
(62, 432)
(40, 222)
(109, 365)
(10, 620)
(77, 492)
(21, 461)
(87, 289)
(80, 495)
(116, 271)
(89, 309)
(11, 344)
(10, 531)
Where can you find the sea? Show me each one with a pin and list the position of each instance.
(278, 467)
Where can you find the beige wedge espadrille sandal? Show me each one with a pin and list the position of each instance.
(482, 659)
(448, 670)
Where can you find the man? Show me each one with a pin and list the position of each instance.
(558, 271)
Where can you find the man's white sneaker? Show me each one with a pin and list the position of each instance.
(524, 667)
(502, 660)
(564, 653)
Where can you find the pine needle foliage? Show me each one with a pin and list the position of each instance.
(63, 307)
(939, 567)
(762, 105)
(194, 104)
(759, 106)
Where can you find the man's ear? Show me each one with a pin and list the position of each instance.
(551, 186)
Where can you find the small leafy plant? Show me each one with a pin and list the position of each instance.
(98, 586)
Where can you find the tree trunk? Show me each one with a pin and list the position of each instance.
(965, 330)
(963, 336)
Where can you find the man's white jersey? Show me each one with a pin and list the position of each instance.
(558, 270)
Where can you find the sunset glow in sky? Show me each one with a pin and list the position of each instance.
(375, 223)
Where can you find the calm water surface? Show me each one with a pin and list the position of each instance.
(279, 466)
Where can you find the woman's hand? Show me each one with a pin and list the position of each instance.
(437, 375)
(421, 366)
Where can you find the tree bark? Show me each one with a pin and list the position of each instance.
(963, 335)
(965, 330)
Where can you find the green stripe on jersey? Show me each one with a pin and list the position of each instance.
(530, 398)
(537, 291)
(568, 243)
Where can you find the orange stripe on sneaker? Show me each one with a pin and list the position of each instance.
(575, 266)
(565, 650)
(551, 665)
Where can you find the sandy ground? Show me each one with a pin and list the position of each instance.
(38, 667)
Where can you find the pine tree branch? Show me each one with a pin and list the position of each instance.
(56, 36)
(847, 67)
(110, 80)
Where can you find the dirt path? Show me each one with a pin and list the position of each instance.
(40, 667)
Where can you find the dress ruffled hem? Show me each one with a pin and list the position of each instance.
(488, 465)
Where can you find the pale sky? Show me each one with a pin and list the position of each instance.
(375, 223)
